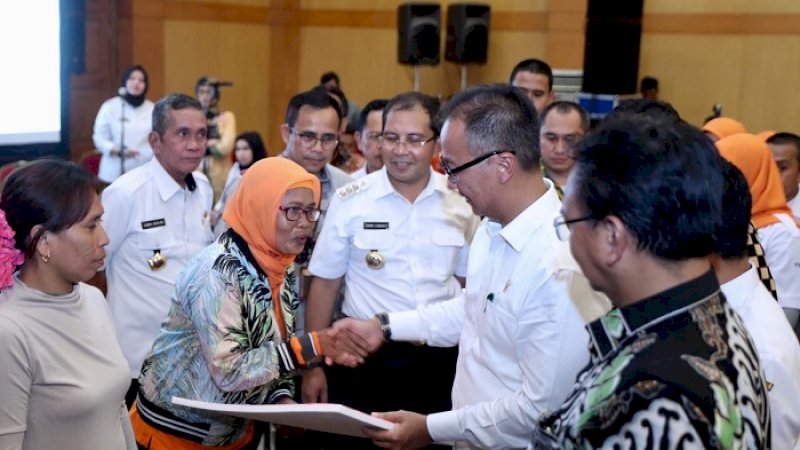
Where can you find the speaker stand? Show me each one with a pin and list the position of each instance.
(463, 76)
(416, 78)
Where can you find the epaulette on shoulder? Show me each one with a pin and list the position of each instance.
(352, 188)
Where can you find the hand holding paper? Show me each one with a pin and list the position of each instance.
(410, 431)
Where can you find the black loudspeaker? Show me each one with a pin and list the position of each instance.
(611, 52)
(467, 33)
(73, 35)
(418, 30)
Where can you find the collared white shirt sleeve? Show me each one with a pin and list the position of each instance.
(438, 324)
(781, 242)
(523, 339)
(548, 341)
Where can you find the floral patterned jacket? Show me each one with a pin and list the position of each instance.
(219, 343)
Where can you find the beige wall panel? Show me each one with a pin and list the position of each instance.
(264, 3)
(504, 5)
(695, 72)
(769, 78)
(227, 51)
(721, 6)
(366, 61)
(506, 49)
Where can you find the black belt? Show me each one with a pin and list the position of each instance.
(167, 422)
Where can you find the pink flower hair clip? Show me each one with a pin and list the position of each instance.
(10, 256)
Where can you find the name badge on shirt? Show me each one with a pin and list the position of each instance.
(376, 225)
(155, 223)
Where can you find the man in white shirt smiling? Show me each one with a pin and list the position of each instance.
(519, 330)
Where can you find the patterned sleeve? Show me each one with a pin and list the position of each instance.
(232, 313)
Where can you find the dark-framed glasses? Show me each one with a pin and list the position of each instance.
(562, 225)
(294, 213)
(453, 171)
(391, 141)
(309, 139)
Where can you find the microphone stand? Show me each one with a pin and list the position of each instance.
(122, 140)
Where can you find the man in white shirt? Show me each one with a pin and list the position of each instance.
(399, 237)
(563, 126)
(518, 325)
(776, 344)
(368, 136)
(785, 148)
(157, 218)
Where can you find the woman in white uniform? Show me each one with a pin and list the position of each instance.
(122, 126)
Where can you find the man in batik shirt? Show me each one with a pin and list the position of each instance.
(672, 365)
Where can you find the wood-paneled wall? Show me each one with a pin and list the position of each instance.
(739, 53)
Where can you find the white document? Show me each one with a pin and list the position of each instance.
(327, 417)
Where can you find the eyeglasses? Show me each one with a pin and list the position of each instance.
(293, 213)
(373, 136)
(391, 141)
(309, 139)
(452, 171)
(562, 225)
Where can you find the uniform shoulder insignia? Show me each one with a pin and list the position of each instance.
(352, 188)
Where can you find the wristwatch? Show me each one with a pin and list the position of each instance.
(386, 329)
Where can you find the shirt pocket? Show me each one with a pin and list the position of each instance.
(148, 241)
(444, 253)
(496, 334)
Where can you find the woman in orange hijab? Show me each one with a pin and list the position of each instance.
(722, 127)
(229, 337)
(777, 229)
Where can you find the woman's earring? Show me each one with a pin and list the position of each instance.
(45, 258)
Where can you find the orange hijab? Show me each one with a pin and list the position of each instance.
(722, 127)
(751, 155)
(252, 212)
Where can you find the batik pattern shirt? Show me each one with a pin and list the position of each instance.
(675, 371)
(219, 342)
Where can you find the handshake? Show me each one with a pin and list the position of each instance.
(349, 341)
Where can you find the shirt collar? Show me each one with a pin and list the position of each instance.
(740, 288)
(385, 187)
(540, 213)
(608, 332)
(165, 184)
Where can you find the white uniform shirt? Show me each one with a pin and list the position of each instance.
(361, 172)
(523, 339)
(146, 210)
(778, 352)
(108, 132)
(794, 205)
(781, 242)
(423, 243)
